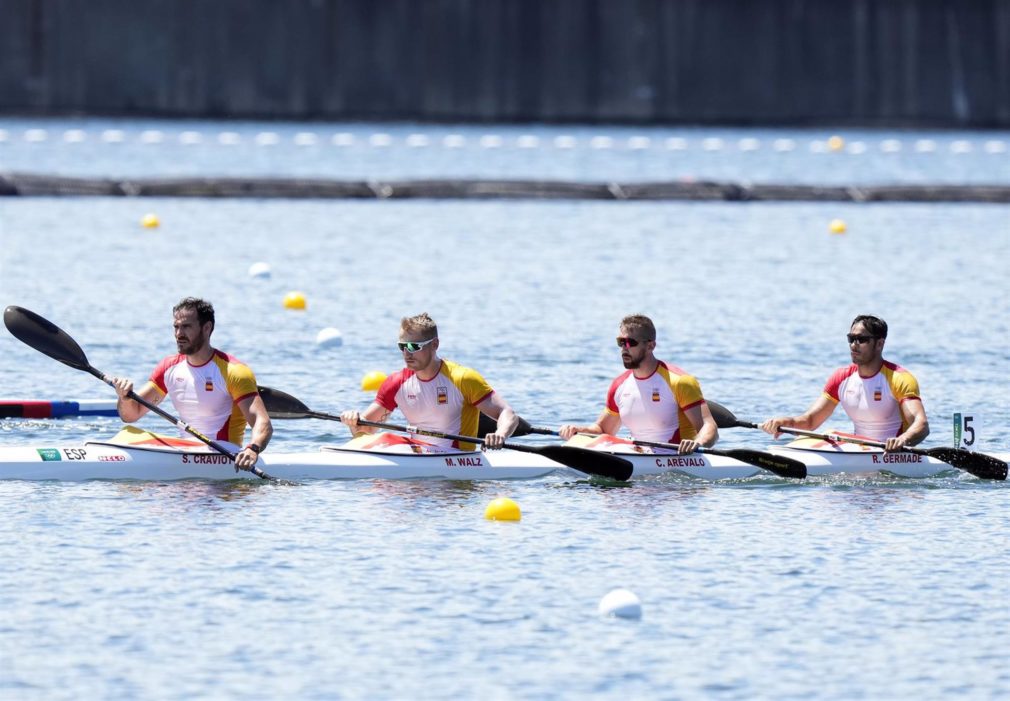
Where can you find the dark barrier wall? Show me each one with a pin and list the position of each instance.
(886, 62)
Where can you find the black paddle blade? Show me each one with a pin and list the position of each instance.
(486, 425)
(724, 418)
(592, 462)
(45, 337)
(979, 464)
(778, 464)
(281, 405)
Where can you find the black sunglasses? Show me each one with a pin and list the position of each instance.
(859, 338)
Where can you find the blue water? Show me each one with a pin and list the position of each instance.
(855, 588)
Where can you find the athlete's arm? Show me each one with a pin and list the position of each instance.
(261, 429)
(701, 418)
(809, 420)
(374, 412)
(914, 415)
(497, 408)
(606, 423)
(129, 409)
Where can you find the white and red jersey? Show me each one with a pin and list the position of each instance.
(873, 403)
(206, 396)
(446, 403)
(654, 408)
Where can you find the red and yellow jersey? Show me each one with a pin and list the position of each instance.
(206, 396)
(873, 403)
(446, 403)
(654, 408)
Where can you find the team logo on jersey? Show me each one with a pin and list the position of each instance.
(208, 386)
(443, 395)
(655, 394)
(877, 395)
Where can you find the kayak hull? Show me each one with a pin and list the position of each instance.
(105, 461)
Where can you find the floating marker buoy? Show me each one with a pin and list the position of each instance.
(150, 221)
(259, 270)
(294, 300)
(621, 603)
(836, 143)
(372, 380)
(329, 337)
(837, 226)
(502, 509)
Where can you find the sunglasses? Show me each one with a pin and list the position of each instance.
(859, 338)
(411, 346)
(627, 342)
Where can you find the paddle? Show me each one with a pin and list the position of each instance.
(281, 405)
(779, 465)
(979, 464)
(49, 339)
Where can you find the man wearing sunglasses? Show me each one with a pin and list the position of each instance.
(881, 397)
(435, 394)
(656, 401)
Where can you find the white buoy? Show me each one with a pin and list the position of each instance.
(259, 270)
(621, 603)
(329, 338)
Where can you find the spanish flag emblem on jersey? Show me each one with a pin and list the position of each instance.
(208, 386)
(877, 395)
(442, 394)
(655, 394)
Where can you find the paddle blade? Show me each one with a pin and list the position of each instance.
(45, 337)
(486, 425)
(979, 464)
(778, 464)
(281, 405)
(724, 418)
(592, 462)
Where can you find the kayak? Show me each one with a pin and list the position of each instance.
(56, 409)
(821, 458)
(134, 454)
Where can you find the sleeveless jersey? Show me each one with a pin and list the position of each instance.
(873, 403)
(653, 408)
(206, 397)
(446, 403)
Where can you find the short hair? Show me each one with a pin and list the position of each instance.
(640, 323)
(421, 324)
(204, 309)
(873, 324)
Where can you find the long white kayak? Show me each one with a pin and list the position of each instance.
(138, 455)
(820, 457)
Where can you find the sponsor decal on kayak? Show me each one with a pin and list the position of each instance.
(208, 459)
(685, 461)
(891, 458)
(111, 458)
(464, 462)
(49, 454)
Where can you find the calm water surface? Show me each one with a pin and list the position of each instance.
(838, 588)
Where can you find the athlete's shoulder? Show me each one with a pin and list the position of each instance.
(836, 379)
(620, 379)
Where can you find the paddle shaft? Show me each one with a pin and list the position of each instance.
(779, 465)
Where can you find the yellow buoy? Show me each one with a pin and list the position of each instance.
(837, 226)
(150, 221)
(502, 509)
(372, 380)
(294, 300)
(836, 143)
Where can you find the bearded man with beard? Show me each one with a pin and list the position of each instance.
(212, 391)
(657, 401)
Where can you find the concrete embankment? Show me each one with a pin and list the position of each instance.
(40, 185)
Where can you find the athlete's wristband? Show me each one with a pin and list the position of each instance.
(254, 448)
